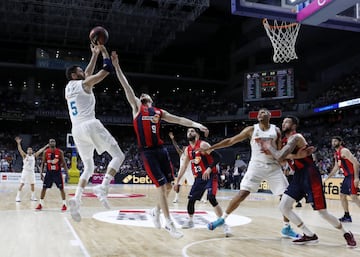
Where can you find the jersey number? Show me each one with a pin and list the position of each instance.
(153, 129)
(73, 108)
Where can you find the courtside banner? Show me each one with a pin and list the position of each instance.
(14, 177)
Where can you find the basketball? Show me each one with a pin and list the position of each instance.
(99, 35)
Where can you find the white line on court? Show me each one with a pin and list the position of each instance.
(77, 240)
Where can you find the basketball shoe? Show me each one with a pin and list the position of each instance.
(227, 230)
(39, 207)
(346, 219)
(213, 225)
(101, 192)
(306, 240)
(188, 224)
(170, 227)
(75, 209)
(350, 240)
(288, 232)
(63, 208)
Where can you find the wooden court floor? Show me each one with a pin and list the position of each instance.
(52, 233)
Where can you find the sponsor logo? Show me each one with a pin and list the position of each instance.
(142, 218)
(137, 180)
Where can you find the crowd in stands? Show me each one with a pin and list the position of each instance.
(317, 129)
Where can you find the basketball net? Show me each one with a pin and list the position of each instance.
(283, 38)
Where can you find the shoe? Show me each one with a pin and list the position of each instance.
(101, 193)
(175, 201)
(17, 199)
(350, 240)
(170, 227)
(155, 215)
(33, 199)
(63, 208)
(306, 240)
(188, 224)
(288, 232)
(219, 222)
(75, 209)
(227, 230)
(346, 219)
(298, 205)
(39, 207)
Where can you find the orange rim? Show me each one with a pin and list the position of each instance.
(278, 27)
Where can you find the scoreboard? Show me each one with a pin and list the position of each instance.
(269, 85)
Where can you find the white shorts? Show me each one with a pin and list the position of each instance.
(92, 135)
(27, 177)
(188, 175)
(260, 171)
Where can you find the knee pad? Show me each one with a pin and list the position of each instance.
(213, 200)
(191, 207)
(88, 169)
(117, 157)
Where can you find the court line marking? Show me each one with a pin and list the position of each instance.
(186, 247)
(77, 240)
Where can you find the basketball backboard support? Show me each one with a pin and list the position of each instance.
(336, 14)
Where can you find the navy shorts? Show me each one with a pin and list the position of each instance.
(307, 183)
(53, 177)
(348, 187)
(200, 185)
(158, 165)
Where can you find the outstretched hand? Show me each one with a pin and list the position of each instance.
(264, 144)
(18, 140)
(205, 130)
(94, 49)
(114, 58)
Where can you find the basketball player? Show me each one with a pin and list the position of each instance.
(53, 159)
(345, 161)
(261, 167)
(88, 132)
(147, 123)
(307, 183)
(188, 176)
(203, 166)
(28, 170)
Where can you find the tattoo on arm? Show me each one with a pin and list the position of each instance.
(288, 148)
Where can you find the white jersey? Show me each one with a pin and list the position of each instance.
(81, 105)
(256, 153)
(29, 163)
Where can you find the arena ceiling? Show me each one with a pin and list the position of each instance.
(181, 31)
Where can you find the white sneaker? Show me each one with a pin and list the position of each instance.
(227, 230)
(188, 224)
(175, 200)
(170, 227)
(101, 192)
(33, 198)
(17, 199)
(75, 209)
(155, 215)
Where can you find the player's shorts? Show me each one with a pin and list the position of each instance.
(307, 182)
(259, 171)
(348, 187)
(188, 176)
(53, 177)
(27, 177)
(92, 135)
(200, 185)
(158, 165)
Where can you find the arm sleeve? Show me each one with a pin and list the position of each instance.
(216, 157)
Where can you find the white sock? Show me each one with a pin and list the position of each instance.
(64, 202)
(41, 201)
(78, 193)
(107, 180)
(286, 224)
(306, 231)
(225, 215)
(32, 194)
(18, 194)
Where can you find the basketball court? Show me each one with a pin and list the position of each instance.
(127, 229)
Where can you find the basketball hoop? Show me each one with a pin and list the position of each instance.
(283, 38)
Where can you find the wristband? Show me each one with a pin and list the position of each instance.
(107, 65)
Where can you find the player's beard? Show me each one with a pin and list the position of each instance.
(192, 139)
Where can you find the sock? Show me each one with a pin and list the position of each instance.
(32, 194)
(286, 224)
(78, 193)
(225, 215)
(107, 180)
(42, 201)
(176, 196)
(64, 202)
(306, 231)
(18, 194)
